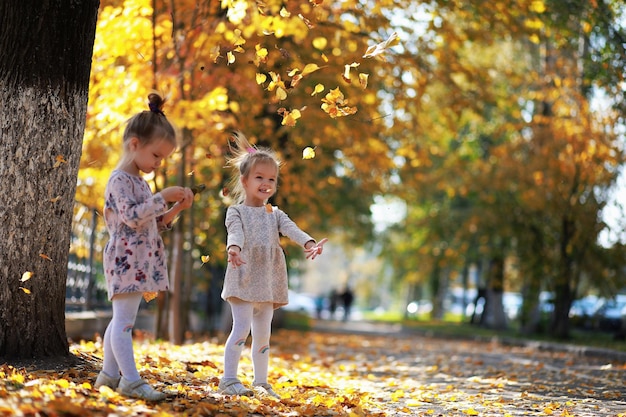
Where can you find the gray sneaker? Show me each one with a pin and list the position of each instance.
(105, 380)
(234, 387)
(264, 389)
(139, 389)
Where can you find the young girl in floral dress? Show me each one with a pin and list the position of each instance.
(256, 276)
(134, 257)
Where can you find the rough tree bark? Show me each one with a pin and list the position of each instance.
(45, 60)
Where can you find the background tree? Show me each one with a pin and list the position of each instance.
(45, 57)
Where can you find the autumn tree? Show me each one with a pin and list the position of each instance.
(290, 76)
(45, 57)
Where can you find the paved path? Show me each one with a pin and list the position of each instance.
(450, 377)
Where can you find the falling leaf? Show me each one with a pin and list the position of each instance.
(289, 118)
(281, 93)
(308, 153)
(190, 173)
(205, 259)
(284, 12)
(149, 296)
(55, 199)
(309, 68)
(230, 57)
(208, 155)
(261, 78)
(380, 48)
(295, 80)
(306, 21)
(60, 159)
(318, 89)
(261, 52)
(336, 105)
(225, 192)
(238, 39)
(363, 80)
(44, 256)
(26, 290)
(346, 74)
(346, 71)
(26, 276)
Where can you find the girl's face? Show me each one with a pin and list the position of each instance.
(147, 158)
(260, 183)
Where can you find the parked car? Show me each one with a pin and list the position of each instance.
(582, 311)
(302, 303)
(610, 313)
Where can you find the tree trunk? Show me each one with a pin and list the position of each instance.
(45, 60)
(563, 291)
(493, 315)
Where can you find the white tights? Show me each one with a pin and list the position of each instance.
(118, 338)
(258, 318)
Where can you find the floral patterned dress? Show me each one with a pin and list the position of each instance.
(134, 257)
(263, 278)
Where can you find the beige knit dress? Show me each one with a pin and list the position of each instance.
(263, 278)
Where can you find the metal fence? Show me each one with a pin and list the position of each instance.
(85, 288)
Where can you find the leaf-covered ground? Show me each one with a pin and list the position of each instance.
(330, 374)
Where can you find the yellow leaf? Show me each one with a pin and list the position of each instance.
(26, 290)
(281, 94)
(324, 58)
(261, 52)
(149, 296)
(238, 39)
(290, 118)
(44, 256)
(395, 396)
(260, 78)
(205, 259)
(470, 412)
(308, 153)
(309, 68)
(55, 199)
(26, 276)
(363, 80)
(231, 57)
(318, 89)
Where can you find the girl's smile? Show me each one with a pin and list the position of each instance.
(260, 183)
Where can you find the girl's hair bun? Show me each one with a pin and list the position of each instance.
(156, 102)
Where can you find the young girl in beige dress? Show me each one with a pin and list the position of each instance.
(256, 276)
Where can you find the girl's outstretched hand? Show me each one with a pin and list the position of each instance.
(234, 257)
(313, 251)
